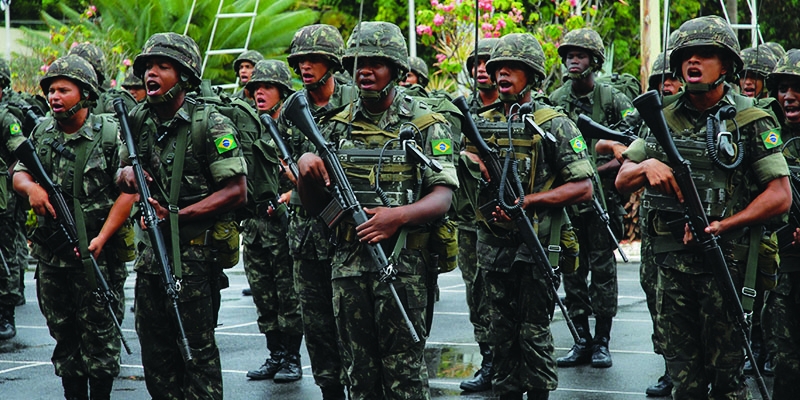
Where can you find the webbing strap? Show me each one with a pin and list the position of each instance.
(749, 287)
(181, 144)
(83, 151)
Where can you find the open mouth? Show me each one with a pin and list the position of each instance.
(504, 86)
(792, 112)
(57, 107)
(152, 87)
(694, 75)
(308, 78)
(749, 91)
(367, 84)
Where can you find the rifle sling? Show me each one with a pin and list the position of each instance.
(181, 144)
(80, 218)
(749, 287)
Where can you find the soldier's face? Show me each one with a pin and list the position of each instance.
(511, 78)
(372, 74)
(482, 75)
(752, 84)
(411, 79)
(702, 65)
(137, 92)
(788, 95)
(63, 94)
(266, 96)
(160, 75)
(312, 68)
(245, 71)
(577, 61)
(671, 86)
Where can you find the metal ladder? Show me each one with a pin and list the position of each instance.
(213, 52)
(755, 32)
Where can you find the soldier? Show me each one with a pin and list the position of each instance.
(383, 360)
(243, 67)
(758, 62)
(417, 74)
(699, 345)
(777, 50)
(583, 53)
(134, 85)
(662, 78)
(316, 55)
(78, 151)
(267, 262)
(204, 194)
(518, 297)
(105, 100)
(781, 312)
(468, 183)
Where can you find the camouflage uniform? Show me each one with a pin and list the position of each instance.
(166, 374)
(699, 345)
(105, 99)
(87, 343)
(758, 61)
(381, 359)
(519, 298)
(606, 106)
(781, 315)
(252, 57)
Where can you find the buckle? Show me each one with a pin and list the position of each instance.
(173, 208)
(749, 292)
(554, 248)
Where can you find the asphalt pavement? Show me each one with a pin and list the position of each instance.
(26, 372)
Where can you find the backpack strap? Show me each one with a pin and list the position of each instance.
(751, 271)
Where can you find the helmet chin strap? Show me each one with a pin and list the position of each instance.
(272, 109)
(515, 98)
(486, 86)
(65, 115)
(320, 82)
(579, 76)
(703, 87)
(169, 95)
(375, 96)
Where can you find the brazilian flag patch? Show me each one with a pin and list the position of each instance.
(772, 138)
(627, 112)
(15, 129)
(578, 144)
(441, 147)
(225, 143)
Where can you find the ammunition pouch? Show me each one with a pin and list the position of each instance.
(220, 243)
(570, 250)
(767, 263)
(121, 244)
(444, 243)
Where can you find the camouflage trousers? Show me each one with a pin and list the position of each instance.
(166, 374)
(521, 304)
(700, 345)
(269, 271)
(781, 322)
(14, 246)
(473, 280)
(648, 278)
(87, 342)
(381, 359)
(596, 295)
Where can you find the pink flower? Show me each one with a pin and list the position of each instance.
(113, 83)
(449, 7)
(485, 5)
(486, 16)
(573, 3)
(440, 58)
(434, 3)
(496, 34)
(44, 68)
(501, 23)
(73, 45)
(126, 62)
(487, 26)
(438, 20)
(424, 30)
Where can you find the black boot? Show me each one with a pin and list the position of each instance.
(482, 380)
(291, 370)
(273, 363)
(538, 394)
(100, 388)
(663, 387)
(333, 392)
(581, 352)
(601, 357)
(75, 387)
(8, 328)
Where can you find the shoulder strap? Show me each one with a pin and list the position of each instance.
(424, 121)
(543, 115)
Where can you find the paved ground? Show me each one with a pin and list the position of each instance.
(26, 372)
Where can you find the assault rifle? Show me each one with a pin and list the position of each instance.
(649, 106)
(150, 221)
(592, 130)
(509, 189)
(286, 157)
(67, 230)
(344, 199)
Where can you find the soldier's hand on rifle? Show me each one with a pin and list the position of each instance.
(476, 159)
(126, 180)
(383, 224)
(287, 172)
(660, 177)
(96, 246)
(37, 196)
(500, 216)
(312, 168)
(605, 146)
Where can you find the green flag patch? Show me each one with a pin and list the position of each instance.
(628, 111)
(772, 138)
(15, 129)
(578, 144)
(225, 143)
(441, 147)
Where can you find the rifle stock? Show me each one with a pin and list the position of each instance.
(649, 106)
(592, 130)
(150, 221)
(68, 231)
(492, 162)
(297, 111)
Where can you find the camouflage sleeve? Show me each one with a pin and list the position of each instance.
(439, 146)
(12, 133)
(636, 151)
(765, 150)
(223, 150)
(623, 107)
(570, 159)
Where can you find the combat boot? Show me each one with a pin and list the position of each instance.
(482, 380)
(601, 356)
(335, 392)
(100, 388)
(8, 328)
(581, 352)
(663, 387)
(273, 364)
(538, 394)
(75, 387)
(291, 370)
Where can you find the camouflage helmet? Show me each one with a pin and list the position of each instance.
(5, 74)
(377, 39)
(131, 79)
(760, 60)
(707, 31)
(657, 70)
(485, 46)
(520, 47)
(180, 48)
(250, 55)
(776, 49)
(586, 39)
(320, 39)
(673, 36)
(788, 65)
(75, 68)
(94, 56)
(274, 72)
(418, 66)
